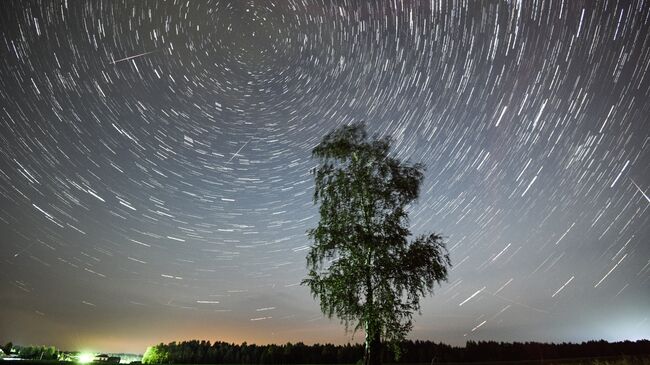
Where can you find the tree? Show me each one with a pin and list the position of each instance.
(156, 354)
(7, 348)
(38, 353)
(361, 266)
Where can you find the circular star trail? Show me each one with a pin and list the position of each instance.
(155, 157)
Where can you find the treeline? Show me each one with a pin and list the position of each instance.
(203, 352)
(36, 352)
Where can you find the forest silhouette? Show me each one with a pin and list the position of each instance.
(204, 352)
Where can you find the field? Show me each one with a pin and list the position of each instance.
(623, 360)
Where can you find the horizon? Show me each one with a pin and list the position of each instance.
(155, 158)
(95, 351)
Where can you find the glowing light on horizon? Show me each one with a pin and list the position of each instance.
(86, 357)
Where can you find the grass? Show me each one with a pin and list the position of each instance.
(614, 360)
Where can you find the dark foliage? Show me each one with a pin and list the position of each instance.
(203, 352)
(362, 267)
(7, 348)
(38, 352)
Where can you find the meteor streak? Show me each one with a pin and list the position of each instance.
(240, 148)
(131, 57)
(641, 191)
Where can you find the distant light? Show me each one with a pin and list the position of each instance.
(86, 358)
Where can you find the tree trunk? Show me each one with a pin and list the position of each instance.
(372, 355)
(373, 330)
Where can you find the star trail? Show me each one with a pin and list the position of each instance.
(155, 158)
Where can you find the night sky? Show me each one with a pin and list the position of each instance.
(155, 157)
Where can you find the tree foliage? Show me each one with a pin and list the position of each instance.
(7, 348)
(38, 352)
(202, 352)
(362, 267)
